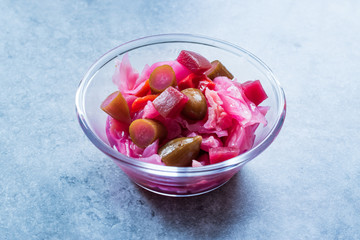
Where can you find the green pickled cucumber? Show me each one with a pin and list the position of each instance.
(196, 107)
(218, 69)
(180, 152)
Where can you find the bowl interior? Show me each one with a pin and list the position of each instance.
(97, 84)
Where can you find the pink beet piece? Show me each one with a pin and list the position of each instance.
(170, 102)
(254, 91)
(193, 61)
(221, 154)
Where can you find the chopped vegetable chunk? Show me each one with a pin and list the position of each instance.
(193, 61)
(221, 154)
(170, 102)
(254, 91)
(116, 106)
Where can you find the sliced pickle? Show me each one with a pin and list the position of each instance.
(143, 132)
(218, 69)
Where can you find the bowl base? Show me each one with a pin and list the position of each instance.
(181, 194)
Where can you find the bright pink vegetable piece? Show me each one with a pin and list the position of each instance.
(193, 61)
(155, 159)
(151, 149)
(172, 127)
(199, 127)
(170, 102)
(221, 154)
(241, 137)
(196, 163)
(204, 159)
(237, 104)
(149, 111)
(254, 91)
(125, 76)
(210, 141)
(217, 117)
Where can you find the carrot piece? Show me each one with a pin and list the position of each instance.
(140, 102)
(144, 90)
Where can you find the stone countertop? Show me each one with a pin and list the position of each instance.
(54, 184)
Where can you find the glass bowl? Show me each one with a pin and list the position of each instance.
(166, 180)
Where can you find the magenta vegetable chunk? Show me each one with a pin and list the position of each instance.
(170, 102)
(220, 154)
(194, 61)
(254, 91)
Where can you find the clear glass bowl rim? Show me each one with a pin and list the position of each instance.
(177, 171)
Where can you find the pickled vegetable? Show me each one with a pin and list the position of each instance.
(193, 61)
(195, 108)
(161, 78)
(140, 102)
(254, 91)
(221, 154)
(144, 90)
(181, 151)
(116, 106)
(218, 69)
(170, 102)
(143, 132)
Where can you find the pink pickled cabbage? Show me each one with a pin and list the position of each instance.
(125, 76)
(151, 149)
(196, 163)
(236, 104)
(241, 137)
(208, 141)
(218, 118)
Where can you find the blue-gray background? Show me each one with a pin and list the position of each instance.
(54, 184)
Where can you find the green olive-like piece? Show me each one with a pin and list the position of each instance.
(180, 152)
(196, 107)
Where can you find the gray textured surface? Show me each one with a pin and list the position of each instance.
(55, 185)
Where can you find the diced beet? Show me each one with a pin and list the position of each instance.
(170, 102)
(254, 91)
(193, 61)
(161, 78)
(116, 106)
(221, 154)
